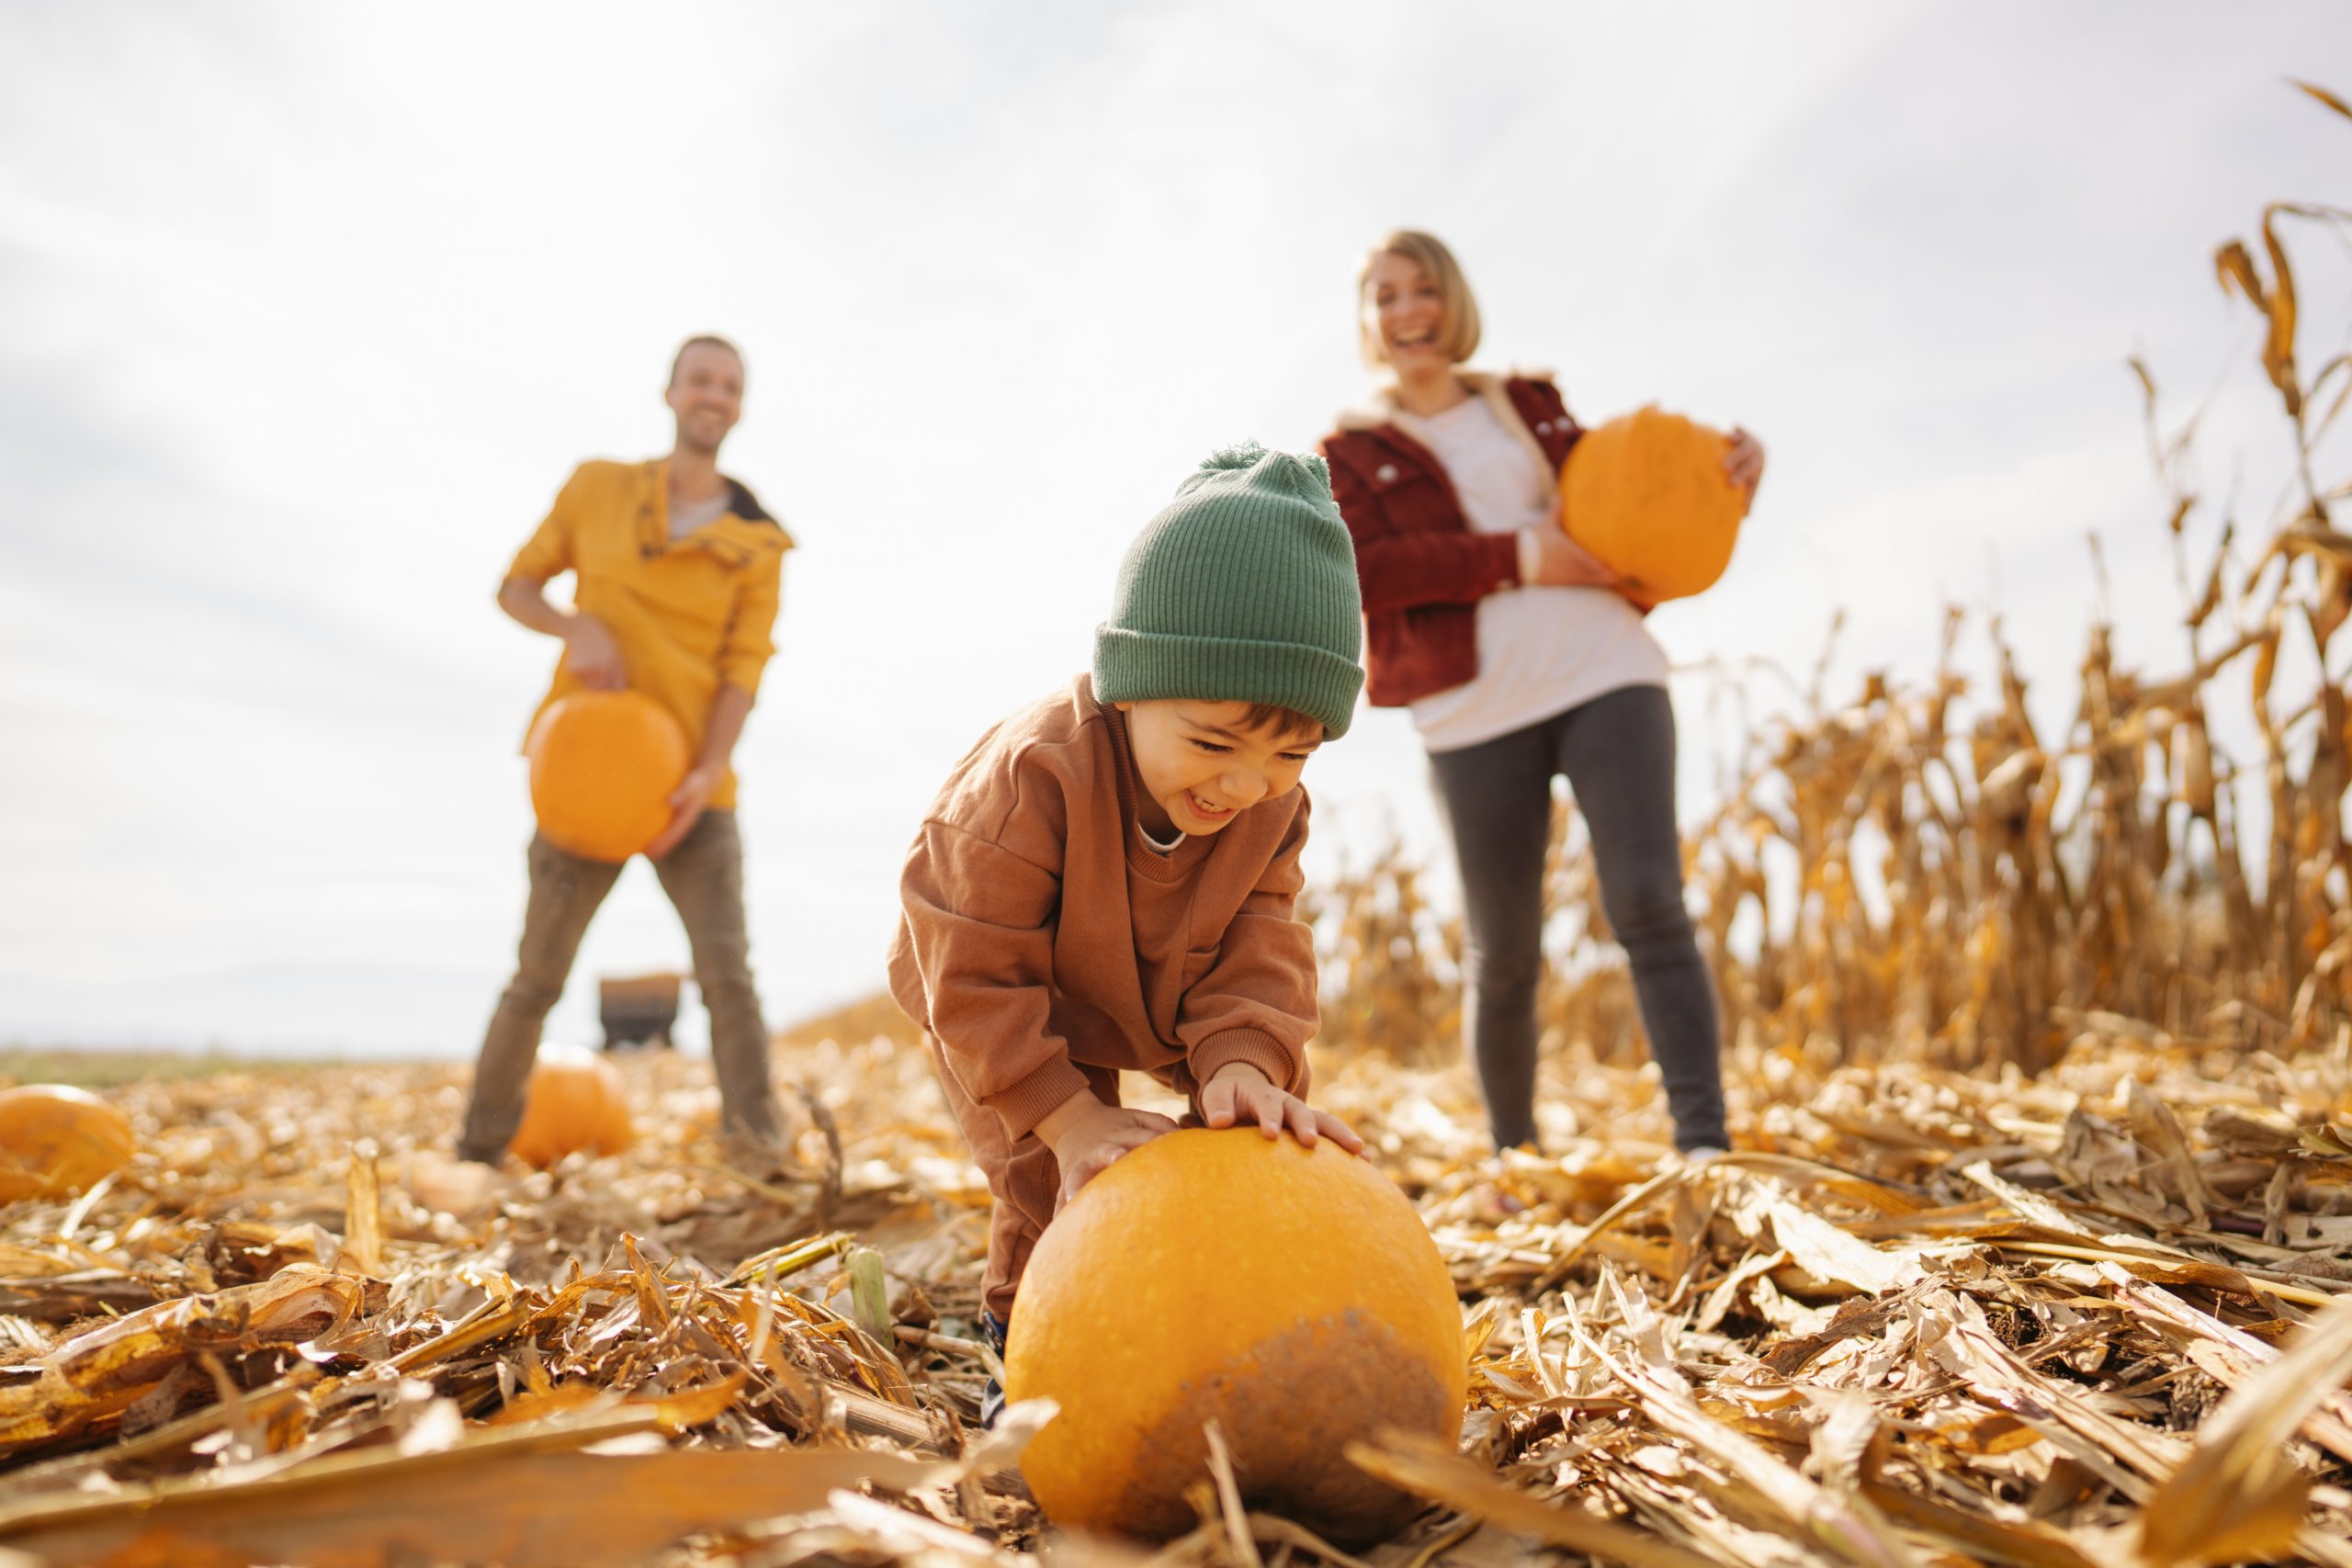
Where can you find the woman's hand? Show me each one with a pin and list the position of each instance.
(592, 655)
(1240, 1092)
(1558, 561)
(1744, 464)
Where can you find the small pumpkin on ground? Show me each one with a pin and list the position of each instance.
(602, 767)
(56, 1140)
(1293, 1296)
(1646, 493)
(576, 1100)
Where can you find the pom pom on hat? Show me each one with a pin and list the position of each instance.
(1302, 474)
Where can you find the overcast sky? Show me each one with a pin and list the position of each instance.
(306, 312)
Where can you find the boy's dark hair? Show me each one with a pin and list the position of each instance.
(1284, 722)
(701, 339)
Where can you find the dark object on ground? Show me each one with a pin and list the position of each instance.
(639, 1009)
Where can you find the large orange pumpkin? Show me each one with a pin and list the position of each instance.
(1293, 1297)
(56, 1140)
(602, 767)
(576, 1100)
(1646, 493)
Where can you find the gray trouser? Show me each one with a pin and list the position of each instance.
(703, 877)
(1618, 753)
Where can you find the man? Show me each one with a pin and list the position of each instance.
(677, 570)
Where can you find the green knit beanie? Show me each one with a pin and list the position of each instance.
(1243, 590)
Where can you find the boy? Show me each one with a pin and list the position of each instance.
(1105, 881)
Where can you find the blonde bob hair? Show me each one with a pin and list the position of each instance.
(1458, 335)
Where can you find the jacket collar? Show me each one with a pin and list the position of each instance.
(737, 536)
(1381, 408)
(746, 505)
(1382, 412)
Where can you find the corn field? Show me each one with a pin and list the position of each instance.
(2036, 1249)
(1922, 874)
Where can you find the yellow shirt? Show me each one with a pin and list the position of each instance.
(691, 613)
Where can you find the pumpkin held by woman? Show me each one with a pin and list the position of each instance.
(1646, 493)
(1292, 1296)
(576, 1100)
(602, 767)
(56, 1140)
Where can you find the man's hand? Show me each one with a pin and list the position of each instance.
(591, 655)
(1744, 464)
(1240, 1092)
(1561, 562)
(688, 803)
(1086, 1135)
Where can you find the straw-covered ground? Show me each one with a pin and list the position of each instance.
(1922, 1317)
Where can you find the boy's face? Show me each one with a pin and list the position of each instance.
(1200, 766)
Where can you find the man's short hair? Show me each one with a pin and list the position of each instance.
(713, 340)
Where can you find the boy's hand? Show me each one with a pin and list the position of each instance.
(1240, 1092)
(1086, 1135)
(591, 655)
(688, 803)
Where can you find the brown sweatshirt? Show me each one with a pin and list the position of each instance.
(1041, 930)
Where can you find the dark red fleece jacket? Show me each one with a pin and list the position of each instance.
(1422, 568)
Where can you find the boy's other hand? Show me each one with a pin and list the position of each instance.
(688, 803)
(591, 655)
(1240, 1092)
(1087, 1137)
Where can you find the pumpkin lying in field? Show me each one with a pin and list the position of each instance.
(56, 1140)
(1292, 1296)
(1646, 493)
(602, 767)
(575, 1102)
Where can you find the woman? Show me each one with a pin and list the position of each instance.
(1520, 660)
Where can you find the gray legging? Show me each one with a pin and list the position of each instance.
(1618, 753)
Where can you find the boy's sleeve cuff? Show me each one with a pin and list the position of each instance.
(1023, 1103)
(1253, 1046)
